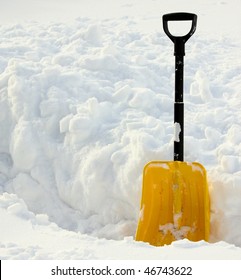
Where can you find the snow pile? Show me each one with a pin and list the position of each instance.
(84, 106)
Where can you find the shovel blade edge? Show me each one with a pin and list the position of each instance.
(174, 204)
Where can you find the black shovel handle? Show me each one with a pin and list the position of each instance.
(179, 52)
(179, 17)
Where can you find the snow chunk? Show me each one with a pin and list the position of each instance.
(177, 131)
(24, 146)
(93, 35)
(230, 163)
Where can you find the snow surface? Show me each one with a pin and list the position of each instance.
(86, 100)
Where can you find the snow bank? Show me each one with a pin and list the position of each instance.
(84, 106)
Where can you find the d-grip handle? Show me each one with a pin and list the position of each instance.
(179, 17)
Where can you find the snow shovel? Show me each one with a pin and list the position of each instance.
(175, 197)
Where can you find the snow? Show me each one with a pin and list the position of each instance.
(177, 131)
(86, 100)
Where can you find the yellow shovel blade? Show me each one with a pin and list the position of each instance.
(174, 204)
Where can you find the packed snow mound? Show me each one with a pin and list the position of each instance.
(84, 106)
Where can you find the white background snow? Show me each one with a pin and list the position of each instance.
(86, 100)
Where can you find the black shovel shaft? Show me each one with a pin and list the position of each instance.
(179, 52)
(179, 110)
